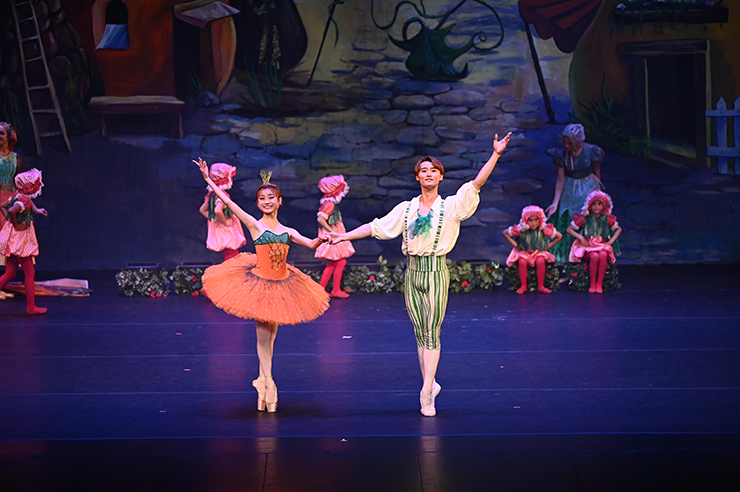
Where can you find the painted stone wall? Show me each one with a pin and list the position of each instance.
(134, 196)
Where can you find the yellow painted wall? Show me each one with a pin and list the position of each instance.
(596, 56)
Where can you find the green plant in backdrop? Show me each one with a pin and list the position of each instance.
(609, 123)
(430, 57)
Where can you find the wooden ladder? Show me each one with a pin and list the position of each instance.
(33, 35)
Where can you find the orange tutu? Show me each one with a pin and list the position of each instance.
(235, 288)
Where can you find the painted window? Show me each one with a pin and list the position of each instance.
(116, 27)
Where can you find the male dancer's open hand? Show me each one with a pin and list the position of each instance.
(500, 145)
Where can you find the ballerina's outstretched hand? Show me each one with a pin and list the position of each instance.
(203, 166)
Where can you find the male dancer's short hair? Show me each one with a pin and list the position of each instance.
(434, 162)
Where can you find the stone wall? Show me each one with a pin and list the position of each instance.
(134, 196)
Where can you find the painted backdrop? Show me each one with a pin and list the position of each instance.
(308, 88)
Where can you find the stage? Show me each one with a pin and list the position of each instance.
(632, 390)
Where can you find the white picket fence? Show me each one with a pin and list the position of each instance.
(728, 158)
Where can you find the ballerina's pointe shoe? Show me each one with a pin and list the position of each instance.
(5, 295)
(271, 400)
(427, 404)
(259, 385)
(436, 388)
(340, 294)
(35, 310)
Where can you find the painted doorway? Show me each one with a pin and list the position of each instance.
(669, 92)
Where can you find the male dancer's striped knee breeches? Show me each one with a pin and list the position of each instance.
(426, 286)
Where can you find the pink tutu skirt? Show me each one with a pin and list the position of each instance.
(578, 250)
(530, 256)
(335, 252)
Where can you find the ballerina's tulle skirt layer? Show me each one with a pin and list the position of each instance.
(578, 251)
(233, 287)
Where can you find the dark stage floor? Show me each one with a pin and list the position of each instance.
(637, 389)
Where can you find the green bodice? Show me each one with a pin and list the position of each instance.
(531, 240)
(22, 217)
(269, 237)
(596, 227)
(8, 168)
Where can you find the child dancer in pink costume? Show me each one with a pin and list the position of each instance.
(18, 237)
(329, 218)
(530, 246)
(225, 234)
(595, 230)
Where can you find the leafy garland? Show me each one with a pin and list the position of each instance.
(382, 278)
(188, 281)
(580, 280)
(156, 283)
(379, 278)
(143, 282)
(552, 276)
(465, 277)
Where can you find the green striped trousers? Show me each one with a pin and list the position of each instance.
(426, 287)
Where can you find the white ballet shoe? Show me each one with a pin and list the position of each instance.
(427, 405)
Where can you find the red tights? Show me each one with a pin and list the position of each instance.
(11, 269)
(335, 268)
(539, 264)
(597, 264)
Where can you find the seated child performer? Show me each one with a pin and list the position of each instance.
(225, 233)
(595, 230)
(531, 247)
(18, 241)
(329, 218)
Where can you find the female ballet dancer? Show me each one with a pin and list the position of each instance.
(262, 286)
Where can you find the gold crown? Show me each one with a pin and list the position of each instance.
(265, 175)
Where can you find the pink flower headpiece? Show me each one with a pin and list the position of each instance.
(29, 183)
(222, 175)
(600, 196)
(334, 188)
(528, 212)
